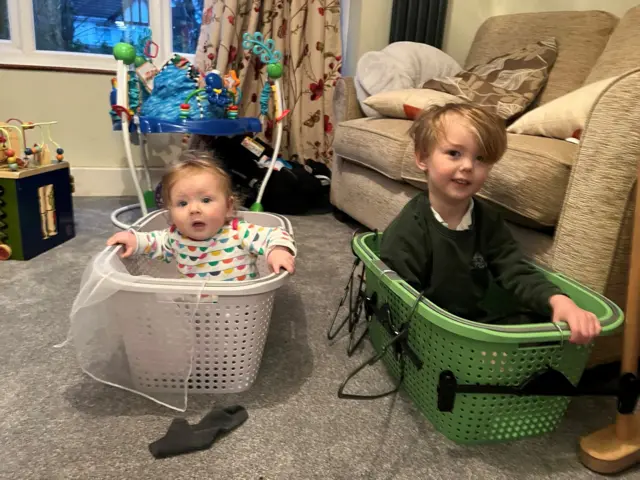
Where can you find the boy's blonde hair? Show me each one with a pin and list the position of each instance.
(490, 131)
(194, 161)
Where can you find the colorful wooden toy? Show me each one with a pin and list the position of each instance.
(36, 210)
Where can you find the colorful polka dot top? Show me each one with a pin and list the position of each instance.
(230, 254)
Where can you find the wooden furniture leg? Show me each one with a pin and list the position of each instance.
(617, 447)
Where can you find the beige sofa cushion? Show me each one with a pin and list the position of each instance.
(581, 38)
(622, 52)
(381, 144)
(507, 84)
(528, 184)
(561, 117)
(393, 104)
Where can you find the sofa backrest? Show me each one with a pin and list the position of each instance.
(581, 38)
(622, 52)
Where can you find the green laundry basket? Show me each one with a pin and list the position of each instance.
(477, 354)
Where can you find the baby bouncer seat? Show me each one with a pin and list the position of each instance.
(476, 383)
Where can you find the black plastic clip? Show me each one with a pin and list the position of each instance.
(549, 383)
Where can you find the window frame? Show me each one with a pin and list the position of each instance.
(20, 50)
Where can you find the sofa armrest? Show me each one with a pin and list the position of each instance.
(345, 102)
(601, 186)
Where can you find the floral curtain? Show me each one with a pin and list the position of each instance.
(307, 32)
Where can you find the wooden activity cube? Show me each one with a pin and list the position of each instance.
(36, 209)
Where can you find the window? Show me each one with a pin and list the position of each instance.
(186, 17)
(82, 33)
(4, 21)
(88, 26)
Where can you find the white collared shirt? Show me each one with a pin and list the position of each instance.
(464, 224)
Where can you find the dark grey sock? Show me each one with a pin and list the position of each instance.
(184, 438)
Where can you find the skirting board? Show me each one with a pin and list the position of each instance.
(110, 182)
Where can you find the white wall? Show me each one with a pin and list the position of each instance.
(368, 23)
(465, 16)
(80, 104)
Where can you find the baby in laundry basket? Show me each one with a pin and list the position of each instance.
(205, 239)
(451, 245)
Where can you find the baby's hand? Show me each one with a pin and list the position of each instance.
(127, 240)
(584, 325)
(281, 257)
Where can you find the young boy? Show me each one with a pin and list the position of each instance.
(452, 246)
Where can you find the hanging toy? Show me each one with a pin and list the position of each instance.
(272, 58)
(264, 99)
(146, 51)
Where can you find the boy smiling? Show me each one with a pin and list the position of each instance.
(452, 246)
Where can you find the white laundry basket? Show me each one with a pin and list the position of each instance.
(157, 332)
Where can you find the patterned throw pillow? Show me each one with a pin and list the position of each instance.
(507, 84)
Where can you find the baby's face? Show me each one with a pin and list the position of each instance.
(199, 206)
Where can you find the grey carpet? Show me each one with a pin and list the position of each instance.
(55, 422)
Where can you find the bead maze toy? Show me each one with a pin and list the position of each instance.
(178, 98)
(36, 212)
(13, 140)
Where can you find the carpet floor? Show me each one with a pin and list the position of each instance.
(57, 423)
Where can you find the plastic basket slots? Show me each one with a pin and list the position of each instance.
(479, 354)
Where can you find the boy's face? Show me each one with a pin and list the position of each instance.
(455, 170)
(199, 206)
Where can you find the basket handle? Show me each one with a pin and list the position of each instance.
(371, 361)
(383, 314)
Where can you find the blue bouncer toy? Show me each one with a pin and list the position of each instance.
(179, 98)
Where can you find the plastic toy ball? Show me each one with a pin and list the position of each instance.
(274, 70)
(139, 60)
(125, 52)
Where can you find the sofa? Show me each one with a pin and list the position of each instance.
(570, 205)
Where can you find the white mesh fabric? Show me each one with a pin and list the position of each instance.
(137, 326)
(115, 329)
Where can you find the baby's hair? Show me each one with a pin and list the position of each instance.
(489, 129)
(194, 161)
